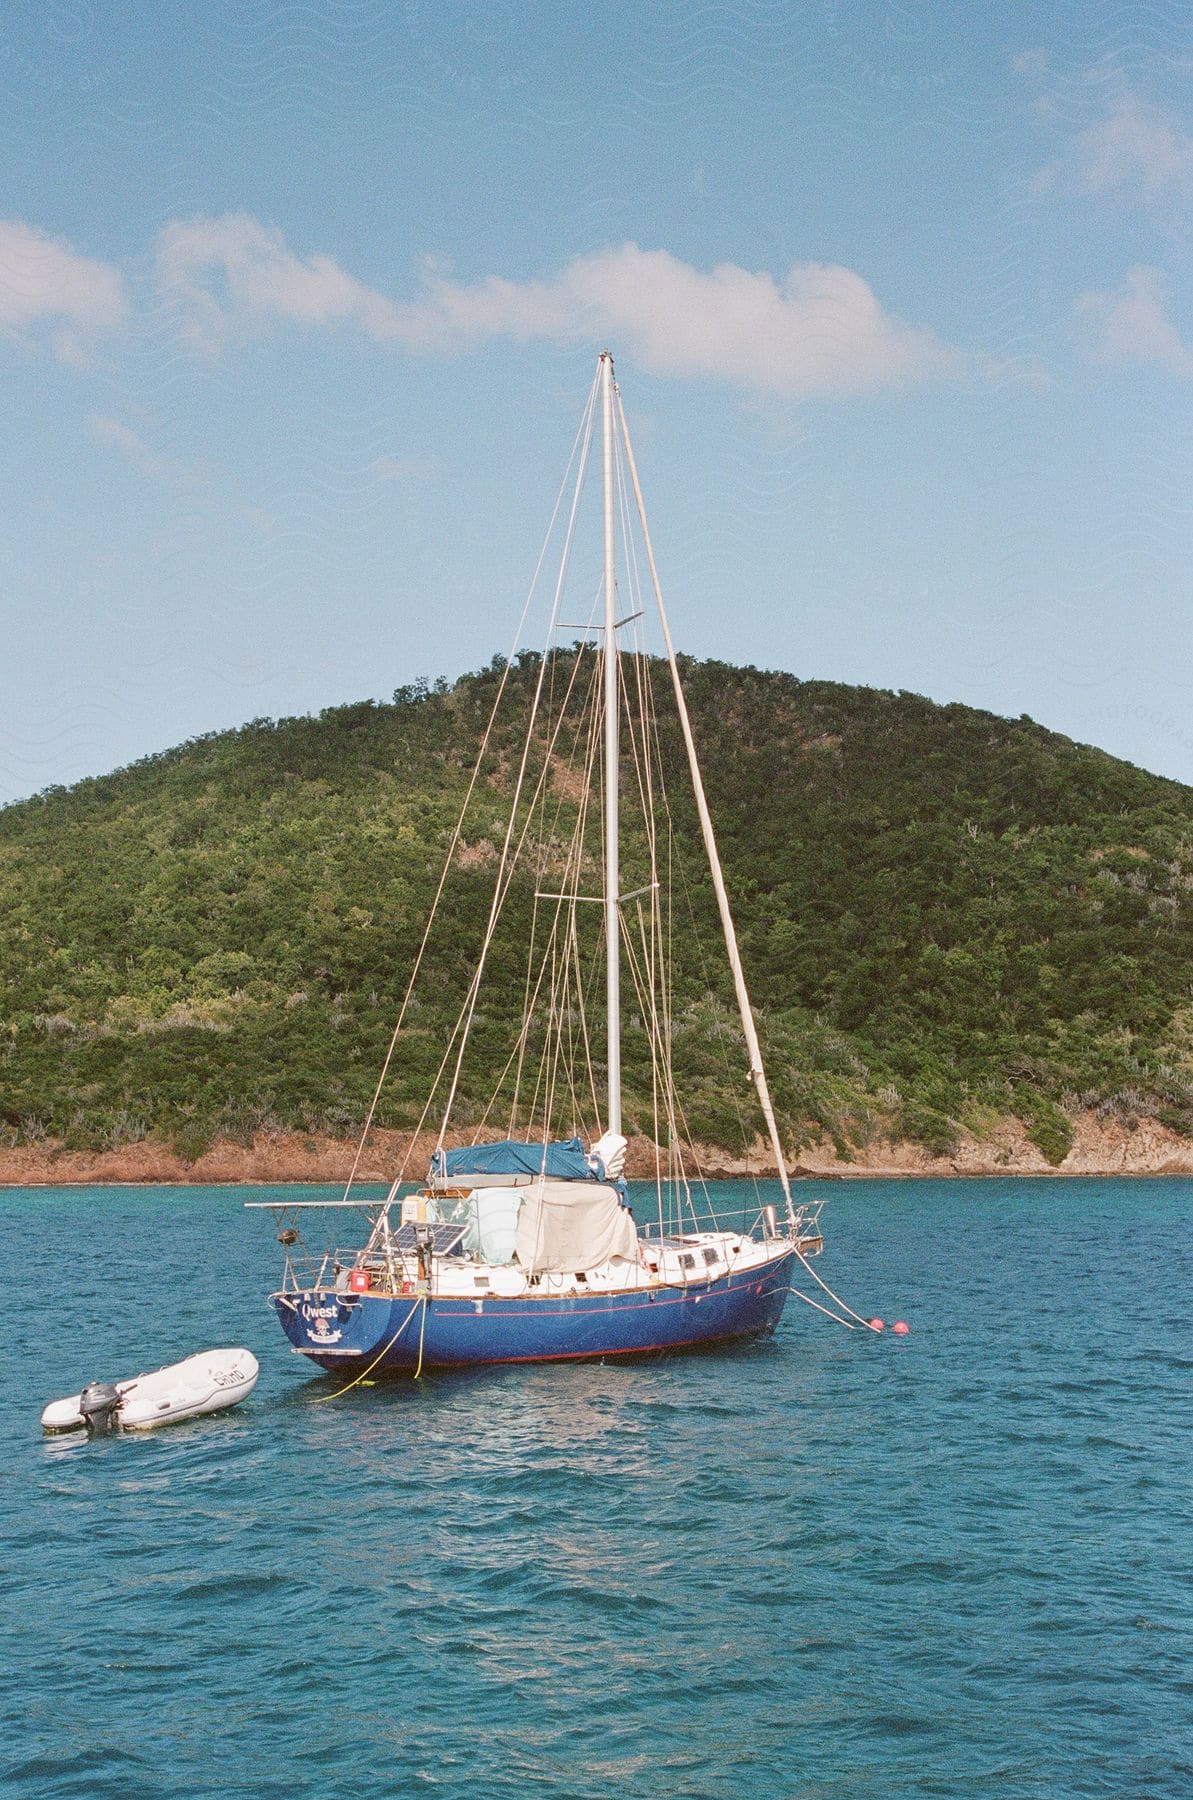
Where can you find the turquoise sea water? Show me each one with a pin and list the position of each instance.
(828, 1565)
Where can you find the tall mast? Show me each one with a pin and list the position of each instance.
(612, 744)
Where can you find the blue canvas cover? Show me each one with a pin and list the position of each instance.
(561, 1162)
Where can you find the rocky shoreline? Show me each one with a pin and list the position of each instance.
(1100, 1147)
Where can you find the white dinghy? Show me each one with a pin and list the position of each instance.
(210, 1382)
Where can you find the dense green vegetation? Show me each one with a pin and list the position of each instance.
(945, 916)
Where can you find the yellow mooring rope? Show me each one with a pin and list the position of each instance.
(357, 1379)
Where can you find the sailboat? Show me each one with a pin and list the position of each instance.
(527, 1244)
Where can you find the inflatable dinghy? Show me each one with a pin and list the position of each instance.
(207, 1383)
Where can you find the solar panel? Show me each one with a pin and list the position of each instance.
(447, 1237)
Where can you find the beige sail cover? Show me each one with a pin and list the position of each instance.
(573, 1225)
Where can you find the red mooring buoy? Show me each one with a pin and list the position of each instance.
(877, 1325)
(901, 1328)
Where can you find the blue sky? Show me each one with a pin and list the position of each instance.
(299, 305)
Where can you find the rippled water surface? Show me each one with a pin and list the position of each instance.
(830, 1564)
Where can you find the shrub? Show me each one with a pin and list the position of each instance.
(925, 1126)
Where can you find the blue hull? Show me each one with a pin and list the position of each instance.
(350, 1332)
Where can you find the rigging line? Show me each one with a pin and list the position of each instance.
(498, 892)
(393, 1042)
(629, 544)
(808, 1301)
(679, 1131)
(716, 1035)
(588, 710)
(434, 1088)
(670, 952)
(672, 1102)
(729, 1069)
(545, 836)
(650, 710)
(656, 1134)
(544, 1086)
(582, 828)
(505, 875)
(757, 1071)
(568, 1007)
(548, 1061)
(682, 1131)
(664, 1044)
(566, 1014)
(836, 1298)
(594, 767)
(676, 1171)
(551, 1062)
(655, 1056)
(355, 1382)
(519, 1046)
(647, 1002)
(570, 877)
(583, 435)
(571, 1012)
(651, 951)
(422, 1329)
(646, 769)
(530, 1002)
(519, 1049)
(558, 1061)
(639, 751)
(464, 1018)
(657, 1088)
(581, 1004)
(523, 1039)
(574, 865)
(701, 1179)
(710, 992)
(587, 424)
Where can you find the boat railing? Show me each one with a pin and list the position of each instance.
(303, 1271)
(805, 1229)
(384, 1263)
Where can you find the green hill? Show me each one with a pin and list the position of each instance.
(943, 914)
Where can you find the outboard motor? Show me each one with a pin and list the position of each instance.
(99, 1404)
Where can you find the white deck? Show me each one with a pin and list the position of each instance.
(692, 1260)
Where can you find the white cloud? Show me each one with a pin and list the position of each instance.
(231, 277)
(1132, 325)
(45, 285)
(1134, 153)
(819, 329)
(1136, 150)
